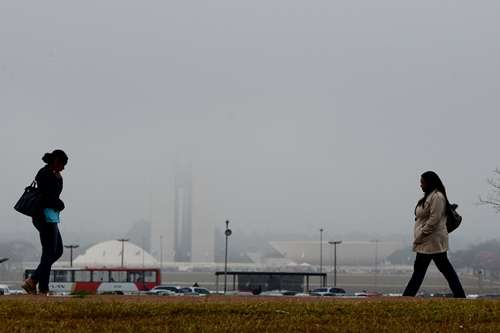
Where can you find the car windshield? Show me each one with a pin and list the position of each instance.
(166, 288)
(320, 290)
(201, 291)
(337, 290)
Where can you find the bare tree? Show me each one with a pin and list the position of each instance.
(493, 199)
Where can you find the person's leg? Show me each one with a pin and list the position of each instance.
(59, 248)
(29, 285)
(445, 267)
(422, 262)
(39, 223)
(48, 237)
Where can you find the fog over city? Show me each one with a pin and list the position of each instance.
(294, 115)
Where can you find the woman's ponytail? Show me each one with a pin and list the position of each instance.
(57, 154)
(48, 158)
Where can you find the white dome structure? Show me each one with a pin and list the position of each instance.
(109, 254)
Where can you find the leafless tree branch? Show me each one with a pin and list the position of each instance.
(493, 199)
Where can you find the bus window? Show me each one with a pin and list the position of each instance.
(136, 276)
(118, 276)
(100, 276)
(82, 276)
(61, 276)
(150, 276)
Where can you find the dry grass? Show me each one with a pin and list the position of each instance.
(232, 314)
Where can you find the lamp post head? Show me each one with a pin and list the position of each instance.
(228, 231)
(335, 242)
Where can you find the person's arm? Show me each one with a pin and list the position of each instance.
(438, 206)
(50, 197)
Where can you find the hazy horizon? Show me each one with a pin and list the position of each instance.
(295, 115)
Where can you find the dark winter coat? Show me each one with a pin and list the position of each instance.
(51, 186)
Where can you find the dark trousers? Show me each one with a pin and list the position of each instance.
(52, 250)
(422, 262)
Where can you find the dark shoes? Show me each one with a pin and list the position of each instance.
(43, 292)
(29, 286)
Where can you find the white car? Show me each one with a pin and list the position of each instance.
(276, 293)
(328, 292)
(4, 289)
(160, 292)
(195, 291)
(164, 290)
(18, 292)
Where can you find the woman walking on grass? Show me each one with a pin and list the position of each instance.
(431, 236)
(50, 183)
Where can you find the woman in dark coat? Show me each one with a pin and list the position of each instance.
(50, 184)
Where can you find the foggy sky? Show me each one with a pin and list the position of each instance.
(295, 115)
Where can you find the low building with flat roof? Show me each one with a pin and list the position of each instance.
(264, 281)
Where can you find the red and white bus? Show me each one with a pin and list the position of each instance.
(102, 280)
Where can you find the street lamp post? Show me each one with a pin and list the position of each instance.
(376, 264)
(335, 243)
(161, 252)
(480, 281)
(71, 247)
(123, 240)
(228, 233)
(321, 250)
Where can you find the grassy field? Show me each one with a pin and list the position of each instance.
(239, 314)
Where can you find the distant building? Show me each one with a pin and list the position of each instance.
(185, 230)
(109, 254)
(183, 210)
(140, 233)
(350, 253)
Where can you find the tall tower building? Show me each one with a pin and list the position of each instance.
(184, 219)
(183, 208)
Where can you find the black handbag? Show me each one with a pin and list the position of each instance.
(30, 202)
(453, 219)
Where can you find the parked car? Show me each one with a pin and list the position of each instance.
(165, 289)
(278, 293)
(160, 292)
(194, 291)
(368, 294)
(4, 289)
(489, 296)
(328, 292)
(444, 295)
(17, 292)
